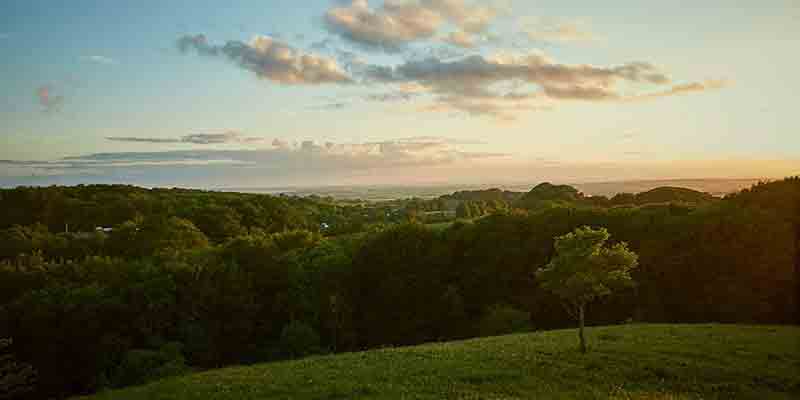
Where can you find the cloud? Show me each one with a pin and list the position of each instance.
(629, 135)
(96, 166)
(580, 92)
(556, 30)
(502, 109)
(330, 106)
(460, 39)
(397, 23)
(142, 139)
(284, 162)
(686, 88)
(421, 150)
(418, 150)
(367, 163)
(471, 74)
(390, 97)
(442, 139)
(271, 59)
(281, 144)
(195, 138)
(471, 19)
(450, 79)
(389, 27)
(502, 86)
(100, 60)
(48, 100)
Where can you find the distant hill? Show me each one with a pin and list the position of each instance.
(547, 194)
(665, 194)
(654, 361)
(717, 187)
(483, 195)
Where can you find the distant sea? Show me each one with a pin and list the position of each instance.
(717, 187)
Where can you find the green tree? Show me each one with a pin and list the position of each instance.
(23, 240)
(299, 339)
(584, 269)
(156, 234)
(463, 210)
(219, 223)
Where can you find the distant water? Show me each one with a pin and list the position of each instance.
(717, 187)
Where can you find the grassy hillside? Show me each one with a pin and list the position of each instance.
(626, 362)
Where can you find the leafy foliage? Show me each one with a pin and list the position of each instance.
(584, 269)
(84, 306)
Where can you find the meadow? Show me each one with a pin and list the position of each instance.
(638, 361)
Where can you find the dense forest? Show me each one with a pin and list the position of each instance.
(108, 286)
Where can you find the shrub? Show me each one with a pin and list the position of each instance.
(143, 365)
(298, 339)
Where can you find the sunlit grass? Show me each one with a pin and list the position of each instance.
(654, 361)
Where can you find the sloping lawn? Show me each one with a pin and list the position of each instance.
(651, 361)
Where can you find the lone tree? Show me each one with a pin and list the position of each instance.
(584, 269)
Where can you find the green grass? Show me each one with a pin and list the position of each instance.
(655, 361)
(440, 226)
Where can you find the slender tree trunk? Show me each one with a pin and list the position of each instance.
(580, 328)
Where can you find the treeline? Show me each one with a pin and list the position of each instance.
(157, 296)
(477, 203)
(548, 195)
(219, 215)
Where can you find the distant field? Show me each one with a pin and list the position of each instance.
(440, 226)
(652, 361)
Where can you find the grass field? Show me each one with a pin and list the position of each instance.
(651, 361)
(440, 226)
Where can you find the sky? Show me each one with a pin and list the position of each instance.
(265, 93)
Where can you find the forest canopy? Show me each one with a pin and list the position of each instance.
(176, 280)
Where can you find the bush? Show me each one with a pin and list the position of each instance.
(143, 365)
(298, 339)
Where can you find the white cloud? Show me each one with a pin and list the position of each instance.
(389, 27)
(397, 23)
(470, 18)
(557, 30)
